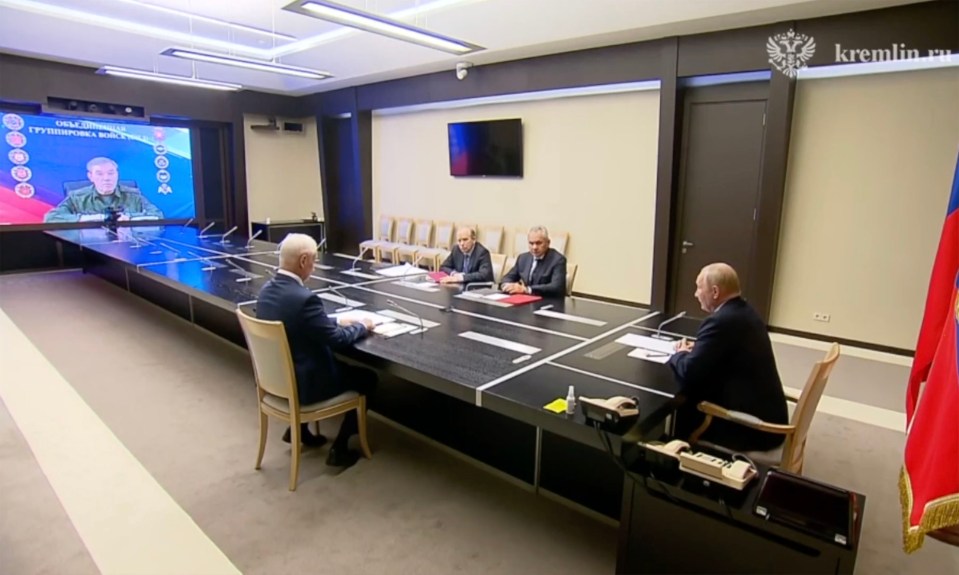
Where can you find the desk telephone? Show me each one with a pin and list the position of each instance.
(610, 412)
(734, 474)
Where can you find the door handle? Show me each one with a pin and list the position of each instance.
(687, 244)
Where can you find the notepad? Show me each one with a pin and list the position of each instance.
(394, 329)
(520, 299)
(557, 405)
(437, 276)
(360, 315)
(647, 343)
(653, 356)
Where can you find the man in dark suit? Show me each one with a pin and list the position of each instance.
(730, 364)
(313, 336)
(542, 271)
(469, 262)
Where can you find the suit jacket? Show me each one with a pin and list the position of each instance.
(549, 277)
(481, 267)
(732, 365)
(313, 336)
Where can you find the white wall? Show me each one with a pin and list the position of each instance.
(282, 171)
(589, 170)
(870, 171)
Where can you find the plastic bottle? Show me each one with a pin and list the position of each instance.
(570, 401)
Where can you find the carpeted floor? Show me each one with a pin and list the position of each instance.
(182, 401)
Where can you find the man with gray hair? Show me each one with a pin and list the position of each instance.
(313, 337)
(91, 203)
(469, 262)
(731, 364)
(541, 272)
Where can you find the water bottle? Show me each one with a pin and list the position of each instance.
(570, 401)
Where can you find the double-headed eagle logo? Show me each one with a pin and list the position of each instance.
(789, 52)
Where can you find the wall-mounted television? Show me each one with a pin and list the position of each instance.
(489, 148)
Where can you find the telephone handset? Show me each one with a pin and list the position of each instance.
(735, 474)
(611, 411)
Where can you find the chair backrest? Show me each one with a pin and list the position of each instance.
(384, 229)
(510, 264)
(570, 277)
(498, 261)
(795, 446)
(270, 353)
(443, 238)
(558, 241)
(492, 238)
(404, 231)
(520, 241)
(424, 232)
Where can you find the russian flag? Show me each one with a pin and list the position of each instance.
(929, 479)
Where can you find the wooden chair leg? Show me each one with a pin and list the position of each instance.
(264, 428)
(361, 421)
(694, 436)
(295, 453)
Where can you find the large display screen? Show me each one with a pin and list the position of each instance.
(491, 148)
(56, 169)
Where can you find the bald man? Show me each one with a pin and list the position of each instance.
(731, 364)
(469, 262)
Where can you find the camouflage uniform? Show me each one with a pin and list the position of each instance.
(86, 201)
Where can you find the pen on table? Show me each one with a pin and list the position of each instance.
(545, 307)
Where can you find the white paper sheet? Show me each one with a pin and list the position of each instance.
(339, 299)
(647, 343)
(394, 329)
(568, 317)
(359, 315)
(654, 356)
(496, 296)
(405, 270)
(407, 318)
(499, 342)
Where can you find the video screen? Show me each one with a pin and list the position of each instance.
(56, 169)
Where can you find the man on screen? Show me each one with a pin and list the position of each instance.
(90, 203)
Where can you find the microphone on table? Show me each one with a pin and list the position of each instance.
(346, 301)
(356, 260)
(320, 246)
(476, 284)
(422, 329)
(249, 242)
(230, 231)
(659, 329)
(188, 222)
(203, 231)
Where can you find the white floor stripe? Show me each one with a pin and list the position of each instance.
(869, 414)
(849, 350)
(129, 524)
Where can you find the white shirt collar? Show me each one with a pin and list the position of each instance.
(282, 271)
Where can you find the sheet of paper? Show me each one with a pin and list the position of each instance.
(357, 274)
(407, 318)
(647, 343)
(394, 329)
(499, 342)
(568, 317)
(339, 299)
(482, 299)
(405, 270)
(422, 286)
(496, 296)
(359, 315)
(654, 356)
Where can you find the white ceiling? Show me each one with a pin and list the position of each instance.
(130, 33)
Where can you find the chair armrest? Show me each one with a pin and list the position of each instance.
(791, 396)
(744, 419)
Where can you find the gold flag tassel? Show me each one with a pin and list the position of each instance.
(940, 519)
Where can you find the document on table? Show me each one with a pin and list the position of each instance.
(405, 270)
(654, 356)
(647, 343)
(360, 315)
(394, 329)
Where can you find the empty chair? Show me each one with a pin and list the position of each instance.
(422, 237)
(402, 238)
(383, 234)
(788, 456)
(570, 277)
(442, 244)
(492, 238)
(276, 390)
(558, 241)
(499, 262)
(520, 241)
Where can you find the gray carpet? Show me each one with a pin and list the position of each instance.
(183, 403)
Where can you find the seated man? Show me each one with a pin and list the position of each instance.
(469, 262)
(313, 337)
(731, 364)
(90, 203)
(542, 271)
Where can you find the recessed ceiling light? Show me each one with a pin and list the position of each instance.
(168, 78)
(249, 63)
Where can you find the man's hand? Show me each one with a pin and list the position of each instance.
(368, 324)
(683, 345)
(512, 288)
(452, 279)
(124, 218)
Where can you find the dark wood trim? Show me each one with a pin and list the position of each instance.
(363, 166)
(843, 341)
(236, 210)
(667, 169)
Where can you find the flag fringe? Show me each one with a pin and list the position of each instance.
(938, 514)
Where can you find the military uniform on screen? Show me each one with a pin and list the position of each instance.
(86, 201)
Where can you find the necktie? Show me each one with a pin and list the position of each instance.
(466, 264)
(532, 268)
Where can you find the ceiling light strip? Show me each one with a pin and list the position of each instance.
(240, 62)
(168, 78)
(376, 24)
(201, 18)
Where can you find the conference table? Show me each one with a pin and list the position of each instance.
(476, 380)
(476, 375)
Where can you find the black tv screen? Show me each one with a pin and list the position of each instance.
(491, 148)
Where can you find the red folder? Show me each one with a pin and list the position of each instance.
(437, 276)
(520, 299)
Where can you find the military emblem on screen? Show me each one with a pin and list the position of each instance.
(163, 176)
(12, 122)
(161, 162)
(18, 157)
(790, 52)
(16, 139)
(21, 173)
(164, 189)
(24, 190)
